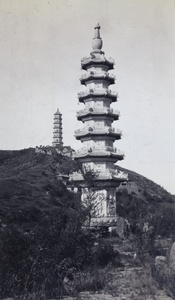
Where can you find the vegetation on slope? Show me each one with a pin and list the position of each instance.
(150, 188)
(40, 223)
(41, 235)
(143, 201)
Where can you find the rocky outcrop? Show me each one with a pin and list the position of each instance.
(161, 263)
(172, 258)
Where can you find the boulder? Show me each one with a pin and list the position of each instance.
(160, 263)
(172, 258)
(163, 244)
(162, 269)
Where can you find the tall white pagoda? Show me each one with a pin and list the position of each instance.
(98, 136)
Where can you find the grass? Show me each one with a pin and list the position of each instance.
(94, 279)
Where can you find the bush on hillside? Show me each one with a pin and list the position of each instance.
(94, 279)
(140, 210)
(35, 258)
(104, 254)
(66, 164)
(31, 252)
(164, 222)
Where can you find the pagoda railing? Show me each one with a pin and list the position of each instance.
(112, 174)
(97, 74)
(97, 111)
(97, 93)
(102, 175)
(94, 130)
(86, 60)
(99, 150)
(57, 132)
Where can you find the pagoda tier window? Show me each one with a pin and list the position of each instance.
(89, 104)
(100, 166)
(109, 165)
(108, 123)
(99, 143)
(99, 104)
(88, 166)
(109, 143)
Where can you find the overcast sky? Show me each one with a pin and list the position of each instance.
(42, 43)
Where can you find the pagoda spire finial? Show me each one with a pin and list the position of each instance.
(97, 31)
(97, 42)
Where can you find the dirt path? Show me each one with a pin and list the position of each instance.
(127, 283)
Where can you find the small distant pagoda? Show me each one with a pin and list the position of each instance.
(57, 130)
(98, 153)
(57, 144)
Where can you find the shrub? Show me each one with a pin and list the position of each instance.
(31, 252)
(84, 256)
(92, 279)
(104, 254)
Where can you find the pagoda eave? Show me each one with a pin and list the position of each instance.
(92, 97)
(88, 116)
(87, 62)
(90, 78)
(116, 136)
(100, 183)
(114, 156)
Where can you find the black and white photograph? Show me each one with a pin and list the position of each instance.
(87, 143)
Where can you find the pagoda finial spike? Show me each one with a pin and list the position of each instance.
(57, 112)
(97, 42)
(97, 31)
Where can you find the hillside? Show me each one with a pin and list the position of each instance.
(41, 226)
(151, 188)
(30, 179)
(40, 223)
